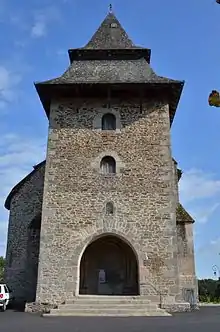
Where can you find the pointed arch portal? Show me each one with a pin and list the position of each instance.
(109, 267)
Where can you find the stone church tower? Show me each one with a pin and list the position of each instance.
(101, 216)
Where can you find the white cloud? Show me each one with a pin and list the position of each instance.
(18, 19)
(211, 248)
(208, 256)
(35, 22)
(200, 194)
(38, 29)
(20, 43)
(216, 242)
(9, 81)
(202, 214)
(42, 19)
(17, 157)
(3, 237)
(196, 184)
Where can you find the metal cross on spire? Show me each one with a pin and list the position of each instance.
(110, 8)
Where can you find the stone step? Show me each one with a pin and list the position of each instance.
(90, 314)
(124, 306)
(106, 305)
(103, 302)
(108, 312)
(108, 299)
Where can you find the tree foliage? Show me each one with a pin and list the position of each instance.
(2, 265)
(214, 98)
(209, 290)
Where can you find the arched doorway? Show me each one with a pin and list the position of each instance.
(109, 267)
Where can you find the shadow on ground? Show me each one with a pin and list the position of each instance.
(17, 307)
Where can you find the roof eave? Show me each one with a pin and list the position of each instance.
(44, 91)
(175, 98)
(183, 217)
(44, 101)
(79, 53)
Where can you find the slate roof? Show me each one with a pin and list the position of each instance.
(179, 173)
(182, 216)
(110, 35)
(110, 58)
(110, 71)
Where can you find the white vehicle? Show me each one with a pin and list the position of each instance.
(5, 296)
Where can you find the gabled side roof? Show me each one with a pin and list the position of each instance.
(182, 216)
(21, 183)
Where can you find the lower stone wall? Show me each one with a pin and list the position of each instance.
(189, 283)
(15, 279)
(176, 307)
(39, 308)
(21, 277)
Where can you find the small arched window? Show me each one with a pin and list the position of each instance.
(108, 165)
(108, 122)
(109, 210)
(36, 222)
(35, 227)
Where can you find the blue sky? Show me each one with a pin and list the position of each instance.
(184, 39)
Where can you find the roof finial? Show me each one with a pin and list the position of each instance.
(110, 8)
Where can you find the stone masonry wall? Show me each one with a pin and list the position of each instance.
(25, 205)
(186, 260)
(75, 194)
(175, 200)
(175, 183)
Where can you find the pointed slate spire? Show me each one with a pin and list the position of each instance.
(110, 60)
(110, 35)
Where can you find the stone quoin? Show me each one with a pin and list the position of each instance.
(101, 216)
